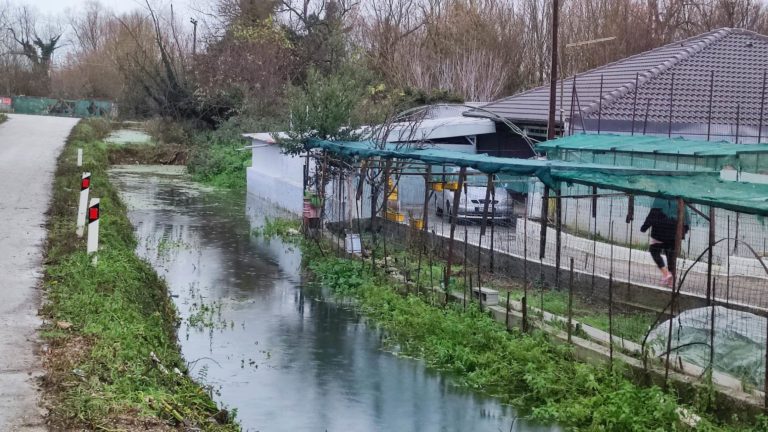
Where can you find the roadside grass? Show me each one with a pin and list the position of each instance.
(528, 370)
(3, 117)
(111, 328)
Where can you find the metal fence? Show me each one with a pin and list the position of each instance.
(577, 262)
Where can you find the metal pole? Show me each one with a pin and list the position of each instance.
(610, 318)
(385, 211)
(671, 101)
(762, 109)
(466, 271)
(675, 281)
(600, 106)
(570, 303)
(493, 227)
(634, 101)
(454, 217)
(711, 96)
(506, 318)
(710, 254)
(728, 263)
(194, 36)
(738, 120)
(544, 217)
(558, 235)
(425, 215)
(525, 267)
(765, 377)
(570, 117)
(594, 236)
(647, 109)
(553, 71)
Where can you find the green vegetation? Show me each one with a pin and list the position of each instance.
(632, 326)
(114, 363)
(218, 157)
(529, 371)
(3, 117)
(286, 229)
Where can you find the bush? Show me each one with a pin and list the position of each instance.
(166, 131)
(218, 157)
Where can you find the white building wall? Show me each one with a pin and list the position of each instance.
(277, 177)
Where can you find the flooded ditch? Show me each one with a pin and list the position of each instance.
(268, 345)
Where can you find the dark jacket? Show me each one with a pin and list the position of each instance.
(662, 227)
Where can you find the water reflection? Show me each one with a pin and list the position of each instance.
(284, 359)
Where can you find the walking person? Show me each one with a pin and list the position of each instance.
(662, 220)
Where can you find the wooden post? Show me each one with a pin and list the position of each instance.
(454, 217)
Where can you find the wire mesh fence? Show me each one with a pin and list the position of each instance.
(577, 260)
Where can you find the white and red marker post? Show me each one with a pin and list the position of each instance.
(85, 187)
(93, 228)
(79, 157)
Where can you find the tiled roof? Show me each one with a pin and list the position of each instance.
(737, 57)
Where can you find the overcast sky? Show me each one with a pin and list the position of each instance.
(60, 7)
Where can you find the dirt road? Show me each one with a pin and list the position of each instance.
(29, 146)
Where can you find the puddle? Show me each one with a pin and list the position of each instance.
(283, 359)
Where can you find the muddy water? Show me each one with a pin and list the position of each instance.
(283, 358)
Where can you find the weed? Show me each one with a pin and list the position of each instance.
(526, 370)
(120, 308)
(283, 228)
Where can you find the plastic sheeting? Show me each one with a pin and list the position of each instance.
(739, 341)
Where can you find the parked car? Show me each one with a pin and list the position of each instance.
(472, 203)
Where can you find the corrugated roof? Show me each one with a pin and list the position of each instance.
(738, 58)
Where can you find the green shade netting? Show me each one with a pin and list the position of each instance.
(542, 169)
(650, 144)
(704, 188)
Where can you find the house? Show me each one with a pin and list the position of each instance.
(711, 87)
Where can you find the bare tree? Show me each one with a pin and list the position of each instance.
(36, 43)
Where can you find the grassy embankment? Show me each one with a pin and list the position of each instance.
(529, 371)
(111, 328)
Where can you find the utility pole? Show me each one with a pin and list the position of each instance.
(553, 70)
(194, 36)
